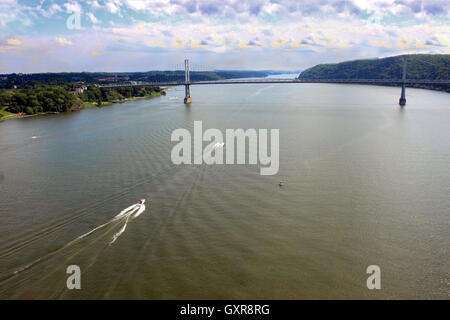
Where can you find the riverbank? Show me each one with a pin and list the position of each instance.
(6, 115)
(89, 104)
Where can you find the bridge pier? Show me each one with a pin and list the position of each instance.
(187, 97)
(402, 100)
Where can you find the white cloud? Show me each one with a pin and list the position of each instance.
(54, 8)
(112, 6)
(140, 4)
(11, 11)
(91, 17)
(94, 4)
(63, 41)
(290, 9)
(254, 32)
(73, 6)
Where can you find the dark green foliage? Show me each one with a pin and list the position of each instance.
(94, 93)
(419, 66)
(59, 99)
(46, 79)
(38, 99)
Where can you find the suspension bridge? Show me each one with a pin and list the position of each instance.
(187, 82)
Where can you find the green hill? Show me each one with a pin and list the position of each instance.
(419, 66)
(20, 81)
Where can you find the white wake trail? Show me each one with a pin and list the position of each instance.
(122, 213)
(137, 209)
(208, 151)
(120, 232)
(142, 209)
(126, 214)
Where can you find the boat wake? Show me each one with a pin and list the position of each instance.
(132, 212)
(121, 219)
(209, 150)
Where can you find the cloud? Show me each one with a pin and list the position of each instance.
(157, 44)
(52, 10)
(11, 12)
(404, 43)
(437, 7)
(178, 43)
(242, 9)
(112, 6)
(251, 44)
(94, 4)
(63, 41)
(238, 32)
(10, 44)
(13, 42)
(381, 44)
(73, 6)
(440, 41)
(91, 17)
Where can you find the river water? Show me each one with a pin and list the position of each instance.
(365, 183)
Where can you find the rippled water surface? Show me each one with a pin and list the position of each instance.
(365, 183)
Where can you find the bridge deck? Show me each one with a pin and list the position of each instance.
(265, 80)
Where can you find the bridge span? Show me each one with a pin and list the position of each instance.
(187, 83)
(275, 80)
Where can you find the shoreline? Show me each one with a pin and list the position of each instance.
(85, 105)
(89, 104)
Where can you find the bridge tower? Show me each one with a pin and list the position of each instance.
(187, 98)
(402, 100)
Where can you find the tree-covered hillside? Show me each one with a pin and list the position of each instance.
(37, 100)
(419, 66)
(41, 99)
(21, 81)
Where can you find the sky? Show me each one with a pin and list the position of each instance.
(142, 35)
